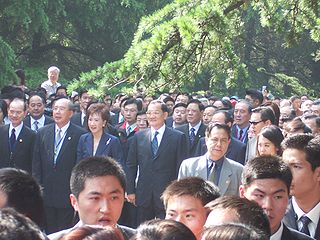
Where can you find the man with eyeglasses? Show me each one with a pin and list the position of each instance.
(214, 165)
(260, 118)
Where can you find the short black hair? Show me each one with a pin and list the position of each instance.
(266, 167)
(92, 167)
(14, 225)
(266, 114)
(198, 102)
(179, 105)
(192, 186)
(247, 212)
(306, 143)
(255, 94)
(219, 126)
(133, 101)
(274, 134)
(227, 115)
(82, 91)
(164, 107)
(23, 193)
(168, 99)
(39, 94)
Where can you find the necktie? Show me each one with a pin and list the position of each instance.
(213, 174)
(128, 130)
(12, 139)
(192, 135)
(240, 135)
(154, 144)
(36, 126)
(305, 222)
(56, 145)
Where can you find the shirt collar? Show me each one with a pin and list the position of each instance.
(17, 128)
(63, 129)
(40, 120)
(278, 234)
(196, 127)
(313, 214)
(243, 129)
(160, 130)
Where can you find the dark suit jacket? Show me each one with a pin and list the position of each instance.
(291, 234)
(124, 139)
(290, 220)
(22, 153)
(55, 179)
(236, 150)
(47, 120)
(108, 146)
(155, 173)
(234, 133)
(169, 121)
(76, 119)
(192, 147)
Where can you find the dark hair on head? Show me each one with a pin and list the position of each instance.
(316, 102)
(158, 229)
(255, 94)
(211, 106)
(266, 114)
(23, 193)
(129, 101)
(39, 94)
(94, 233)
(219, 126)
(227, 105)
(14, 225)
(123, 101)
(92, 167)
(168, 99)
(274, 134)
(192, 186)
(227, 115)
(164, 107)
(276, 110)
(198, 102)
(306, 143)
(61, 87)
(100, 109)
(231, 231)
(142, 112)
(82, 91)
(293, 98)
(297, 124)
(266, 167)
(247, 212)
(179, 105)
(4, 107)
(21, 74)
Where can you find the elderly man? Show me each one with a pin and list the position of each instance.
(52, 84)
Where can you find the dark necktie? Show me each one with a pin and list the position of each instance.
(154, 144)
(192, 135)
(305, 222)
(12, 139)
(240, 134)
(36, 126)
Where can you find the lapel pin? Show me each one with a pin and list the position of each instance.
(69, 138)
(108, 141)
(20, 140)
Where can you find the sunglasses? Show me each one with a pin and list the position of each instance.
(255, 123)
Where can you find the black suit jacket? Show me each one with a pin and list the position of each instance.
(47, 120)
(236, 150)
(191, 152)
(155, 173)
(234, 133)
(76, 119)
(291, 234)
(290, 220)
(55, 179)
(22, 153)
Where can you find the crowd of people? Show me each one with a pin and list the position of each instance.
(173, 166)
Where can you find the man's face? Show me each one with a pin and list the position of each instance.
(241, 114)
(142, 121)
(217, 143)
(311, 123)
(36, 107)
(218, 118)
(207, 115)
(272, 195)
(130, 113)
(254, 102)
(305, 182)
(182, 99)
(61, 112)
(84, 100)
(100, 202)
(53, 76)
(315, 109)
(194, 115)
(156, 116)
(180, 115)
(256, 123)
(220, 216)
(16, 112)
(189, 211)
(170, 106)
(296, 104)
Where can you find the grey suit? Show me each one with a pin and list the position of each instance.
(229, 177)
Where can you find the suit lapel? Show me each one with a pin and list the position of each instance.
(49, 136)
(103, 144)
(164, 141)
(66, 140)
(317, 234)
(202, 167)
(225, 174)
(89, 144)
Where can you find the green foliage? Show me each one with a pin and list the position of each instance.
(8, 59)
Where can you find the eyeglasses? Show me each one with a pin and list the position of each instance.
(255, 123)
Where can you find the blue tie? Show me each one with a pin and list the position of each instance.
(192, 135)
(305, 222)
(12, 139)
(154, 144)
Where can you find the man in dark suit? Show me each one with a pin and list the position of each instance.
(195, 129)
(242, 114)
(179, 116)
(267, 180)
(36, 118)
(236, 150)
(16, 140)
(158, 153)
(55, 155)
(301, 153)
(79, 118)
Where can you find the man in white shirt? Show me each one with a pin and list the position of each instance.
(301, 153)
(52, 84)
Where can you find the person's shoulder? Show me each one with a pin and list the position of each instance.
(127, 231)
(289, 233)
(233, 163)
(193, 160)
(58, 235)
(78, 129)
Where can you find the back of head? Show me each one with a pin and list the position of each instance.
(231, 231)
(14, 225)
(92, 167)
(163, 230)
(266, 167)
(94, 233)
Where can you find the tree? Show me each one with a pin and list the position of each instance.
(189, 39)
